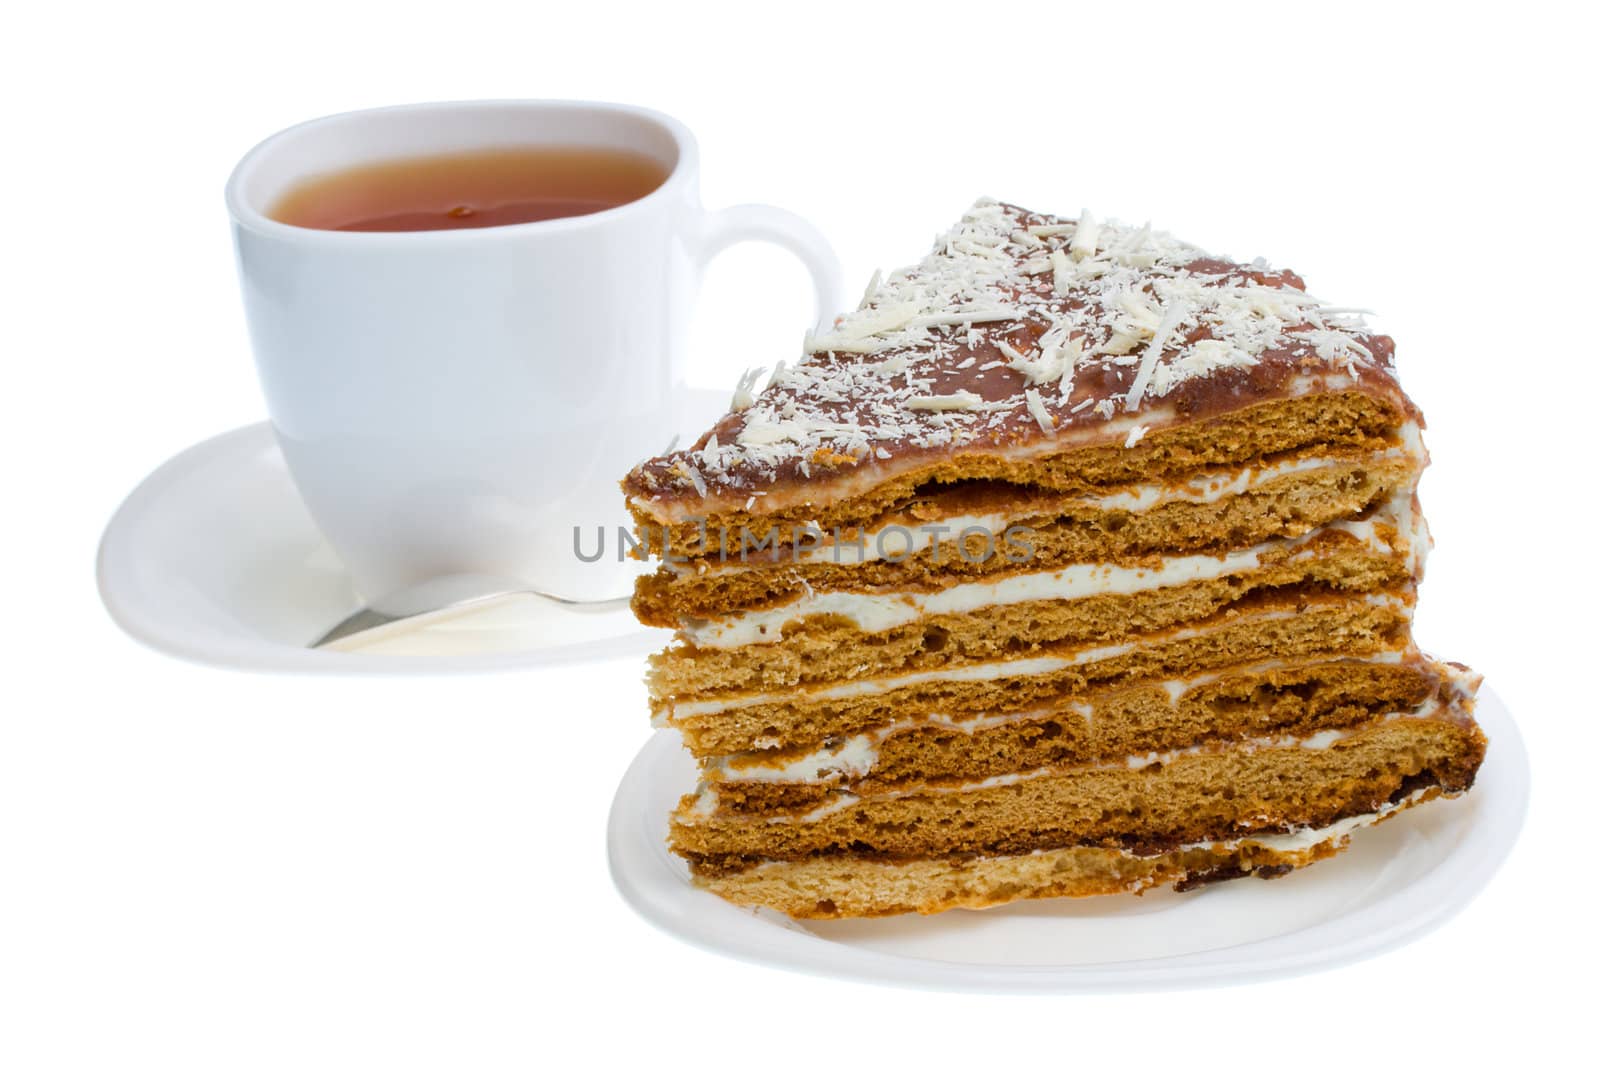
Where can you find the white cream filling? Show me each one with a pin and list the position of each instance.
(875, 612)
(859, 759)
(1463, 681)
(854, 756)
(979, 672)
(1015, 668)
(1306, 838)
(1319, 740)
(1215, 486)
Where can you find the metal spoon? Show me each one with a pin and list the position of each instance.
(448, 593)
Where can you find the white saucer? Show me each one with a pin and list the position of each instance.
(1396, 882)
(214, 558)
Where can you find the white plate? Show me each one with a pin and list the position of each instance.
(1396, 882)
(214, 558)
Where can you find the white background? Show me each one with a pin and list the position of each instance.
(206, 873)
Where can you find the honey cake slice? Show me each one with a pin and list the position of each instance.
(1069, 522)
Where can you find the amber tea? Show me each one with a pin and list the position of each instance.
(471, 190)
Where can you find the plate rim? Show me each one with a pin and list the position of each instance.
(116, 580)
(1420, 906)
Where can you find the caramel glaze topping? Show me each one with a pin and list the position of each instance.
(1024, 334)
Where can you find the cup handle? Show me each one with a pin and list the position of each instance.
(768, 224)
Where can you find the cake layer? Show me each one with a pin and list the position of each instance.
(1134, 725)
(1208, 795)
(1276, 626)
(996, 506)
(829, 637)
(1355, 419)
(972, 534)
(843, 886)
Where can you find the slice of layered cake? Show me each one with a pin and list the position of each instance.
(1074, 561)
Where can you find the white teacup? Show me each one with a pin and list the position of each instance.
(458, 401)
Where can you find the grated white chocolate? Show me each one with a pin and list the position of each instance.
(1014, 321)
